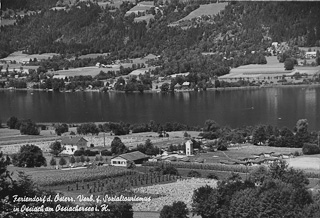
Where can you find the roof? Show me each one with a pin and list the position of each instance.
(72, 140)
(186, 83)
(132, 156)
(150, 56)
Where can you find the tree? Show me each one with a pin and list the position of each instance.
(59, 129)
(62, 161)
(302, 135)
(56, 148)
(87, 128)
(72, 160)
(117, 147)
(12, 122)
(28, 127)
(82, 159)
(53, 162)
(87, 159)
(176, 210)
(288, 64)
(259, 135)
(165, 87)
(29, 156)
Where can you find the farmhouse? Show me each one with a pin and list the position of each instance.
(137, 157)
(72, 144)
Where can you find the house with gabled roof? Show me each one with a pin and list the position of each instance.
(122, 160)
(73, 143)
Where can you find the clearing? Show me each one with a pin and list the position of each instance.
(208, 9)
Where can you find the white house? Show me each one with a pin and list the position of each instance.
(72, 144)
(311, 54)
(137, 157)
(189, 148)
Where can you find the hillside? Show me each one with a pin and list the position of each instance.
(229, 36)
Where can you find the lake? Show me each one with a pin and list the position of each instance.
(281, 106)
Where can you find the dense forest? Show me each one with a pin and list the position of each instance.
(231, 36)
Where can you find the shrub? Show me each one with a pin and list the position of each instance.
(194, 173)
(222, 147)
(78, 153)
(106, 153)
(62, 161)
(309, 148)
(213, 176)
(90, 153)
(53, 162)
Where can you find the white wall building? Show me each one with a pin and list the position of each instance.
(189, 148)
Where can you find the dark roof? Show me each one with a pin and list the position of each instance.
(136, 155)
(72, 140)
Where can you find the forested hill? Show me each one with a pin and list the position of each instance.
(241, 28)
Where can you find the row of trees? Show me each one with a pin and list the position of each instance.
(261, 134)
(26, 127)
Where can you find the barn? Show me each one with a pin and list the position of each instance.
(137, 157)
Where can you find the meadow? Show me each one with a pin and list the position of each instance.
(268, 71)
(207, 9)
(19, 57)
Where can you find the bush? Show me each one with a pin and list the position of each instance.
(62, 161)
(12, 122)
(222, 147)
(213, 176)
(194, 173)
(309, 148)
(78, 153)
(90, 153)
(106, 153)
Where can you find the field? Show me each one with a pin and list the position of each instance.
(267, 71)
(311, 162)
(182, 190)
(147, 18)
(20, 57)
(7, 22)
(241, 152)
(208, 9)
(11, 140)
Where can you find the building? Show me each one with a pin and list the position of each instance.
(189, 148)
(123, 159)
(72, 144)
(311, 54)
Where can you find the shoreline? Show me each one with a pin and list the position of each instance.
(175, 91)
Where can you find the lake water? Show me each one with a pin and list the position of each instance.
(281, 106)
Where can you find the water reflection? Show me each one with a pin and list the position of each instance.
(275, 106)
